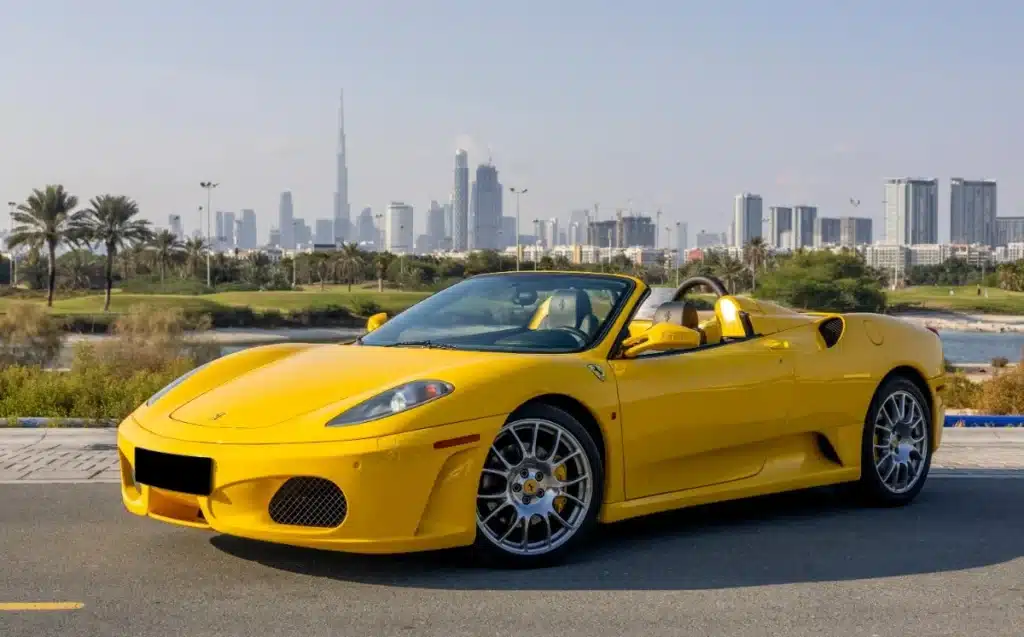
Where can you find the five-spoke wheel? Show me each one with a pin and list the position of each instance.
(897, 446)
(540, 489)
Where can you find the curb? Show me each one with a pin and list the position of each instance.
(952, 421)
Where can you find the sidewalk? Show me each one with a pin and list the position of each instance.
(90, 455)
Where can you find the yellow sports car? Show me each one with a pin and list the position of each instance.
(513, 412)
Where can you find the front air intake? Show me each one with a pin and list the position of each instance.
(831, 330)
(308, 501)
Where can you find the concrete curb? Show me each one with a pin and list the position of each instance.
(952, 421)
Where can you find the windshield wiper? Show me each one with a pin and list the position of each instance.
(426, 344)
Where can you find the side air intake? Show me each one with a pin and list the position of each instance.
(831, 331)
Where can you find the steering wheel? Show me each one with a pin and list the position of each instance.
(578, 334)
(714, 283)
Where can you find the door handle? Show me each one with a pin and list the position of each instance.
(776, 344)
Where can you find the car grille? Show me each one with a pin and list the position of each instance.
(307, 501)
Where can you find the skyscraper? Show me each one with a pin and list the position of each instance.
(487, 205)
(435, 225)
(342, 221)
(228, 231)
(460, 201)
(398, 232)
(247, 239)
(746, 218)
(854, 231)
(366, 229)
(911, 211)
(804, 218)
(972, 212)
(285, 219)
(176, 228)
(780, 220)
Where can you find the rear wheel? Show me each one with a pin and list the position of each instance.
(896, 451)
(540, 491)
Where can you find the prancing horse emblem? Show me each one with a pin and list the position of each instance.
(596, 369)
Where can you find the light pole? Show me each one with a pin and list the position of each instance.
(14, 262)
(208, 186)
(518, 193)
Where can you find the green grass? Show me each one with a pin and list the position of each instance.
(310, 298)
(964, 299)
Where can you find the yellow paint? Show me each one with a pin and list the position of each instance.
(27, 606)
(729, 419)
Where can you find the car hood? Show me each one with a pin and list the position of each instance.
(313, 379)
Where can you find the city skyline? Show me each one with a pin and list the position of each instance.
(597, 116)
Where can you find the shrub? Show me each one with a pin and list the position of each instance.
(961, 392)
(1003, 394)
(1000, 361)
(29, 335)
(364, 306)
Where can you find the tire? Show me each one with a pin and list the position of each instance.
(559, 510)
(895, 481)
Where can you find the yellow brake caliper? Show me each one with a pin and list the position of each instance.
(560, 475)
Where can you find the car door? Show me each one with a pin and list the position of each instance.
(695, 418)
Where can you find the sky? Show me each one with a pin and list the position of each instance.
(675, 105)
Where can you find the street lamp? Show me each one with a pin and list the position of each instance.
(518, 193)
(14, 262)
(208, 186)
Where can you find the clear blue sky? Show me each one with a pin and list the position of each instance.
(676, 104)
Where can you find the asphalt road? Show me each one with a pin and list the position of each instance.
(951, 564)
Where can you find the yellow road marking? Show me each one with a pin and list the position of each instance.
(16, 606)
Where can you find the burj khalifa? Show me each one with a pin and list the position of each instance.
(342, 219)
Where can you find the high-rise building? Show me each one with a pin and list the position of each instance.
(972, 211)
(435, 226)
(747, 211)
(274, 238)
(366, 229)
(827, 231)
(324, 232)
(175, 226)
(803, 227)
(218, 231)
(285, 219)
(711, 239)
(247, 235)
(682, 239)
(448, 223)
(780, 221)
(398, 231)
(460, 203)
(342, 220)
(486, 209)
(227, 232)
(1009, 230)
(854, 231)
(911, 211)
(303, 233)
(508, 232)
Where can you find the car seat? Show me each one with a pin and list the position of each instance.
(571, 308)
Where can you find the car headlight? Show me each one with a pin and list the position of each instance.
(179, 380)
(393, 401)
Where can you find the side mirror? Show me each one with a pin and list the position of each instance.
(661, 337)
(376, 321)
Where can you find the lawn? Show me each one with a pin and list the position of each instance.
(963, 299)
(310, 298)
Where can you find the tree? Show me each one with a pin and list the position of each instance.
(824, 281)
(755, 254)
(351, 260)
(165, 245)
(47, 218)
(195, 249)
(382, 262)
(109, 221)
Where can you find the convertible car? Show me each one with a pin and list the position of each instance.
(512, 413)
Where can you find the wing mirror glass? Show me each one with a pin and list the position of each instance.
(376, 321)
(661, 337)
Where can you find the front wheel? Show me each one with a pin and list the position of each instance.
(540, 491)
(896, 451)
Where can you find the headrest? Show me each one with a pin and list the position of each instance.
(568, 308)
(682, 313)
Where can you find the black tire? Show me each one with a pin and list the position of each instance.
(491, 554)
(871, 488)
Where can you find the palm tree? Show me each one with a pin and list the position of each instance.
(165, 245)
(47, 218)
(382, 262)
(755, 254)
(109, 221)
(195, 249)
(350, 259)
(730, 270)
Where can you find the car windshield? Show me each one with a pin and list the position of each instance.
(529, 312)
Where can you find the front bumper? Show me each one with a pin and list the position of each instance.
(402, 493)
